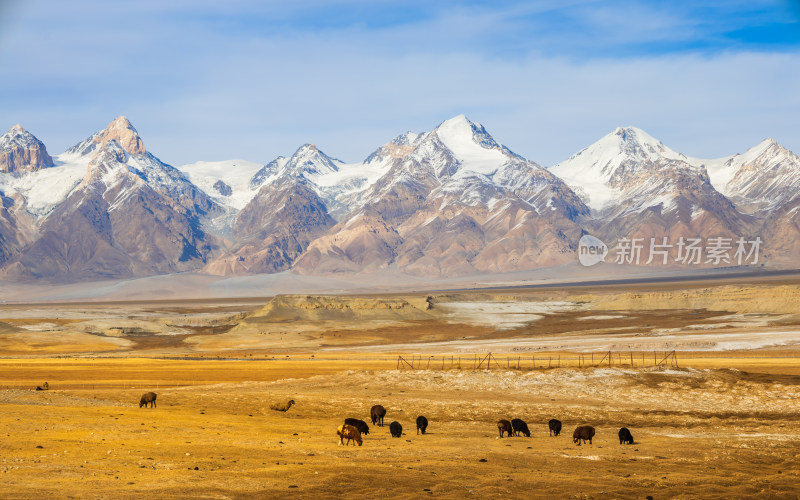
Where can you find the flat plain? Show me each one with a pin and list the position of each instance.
(705, 375)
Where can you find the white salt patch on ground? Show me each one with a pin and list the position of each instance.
(599, 317)
(502, 315)
(42, 327)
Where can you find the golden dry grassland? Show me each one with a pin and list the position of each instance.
(723, 424)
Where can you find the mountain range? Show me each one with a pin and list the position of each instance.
(448, 202)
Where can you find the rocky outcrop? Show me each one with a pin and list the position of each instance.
(119, 130)
(325, 308)
(778, 299)
(21, 151)
(10, 235)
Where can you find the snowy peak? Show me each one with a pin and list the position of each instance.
(406, 139)
(600, 171)
(631, 143)
(765, 150)
(119, 130)
(399, 147)
(471, 145)
(123, 132)
(309, 161)
(22, 151)
(764, 176)
(460, 128)
(266, 172)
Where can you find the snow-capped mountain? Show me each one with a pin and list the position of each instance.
(129, 214)
(332, 180)
(637, 187)
(450, 201)
(601, 172)
(446, 200)
(762, 178)
(21, 151)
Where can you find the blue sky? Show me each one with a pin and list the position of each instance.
(206, 80)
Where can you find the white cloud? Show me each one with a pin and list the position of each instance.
(198, 87)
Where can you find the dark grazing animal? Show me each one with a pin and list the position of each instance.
(148, 397)
(555, 427)
(422, 424)
(282, 406)
(362, 426)
(504, 425)
(625, 436)
(350, 433)
(377, 413)
(396, 429)
(520, 427)
(584, 433)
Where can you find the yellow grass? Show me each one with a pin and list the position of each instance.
(721, 425)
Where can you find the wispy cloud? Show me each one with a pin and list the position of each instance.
(213, 80)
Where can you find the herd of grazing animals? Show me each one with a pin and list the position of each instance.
(353, 428)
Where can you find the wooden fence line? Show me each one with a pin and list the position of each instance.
(492, 361)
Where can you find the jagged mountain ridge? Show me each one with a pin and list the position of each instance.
(642, 189)
(451, 201)
(129, 215)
